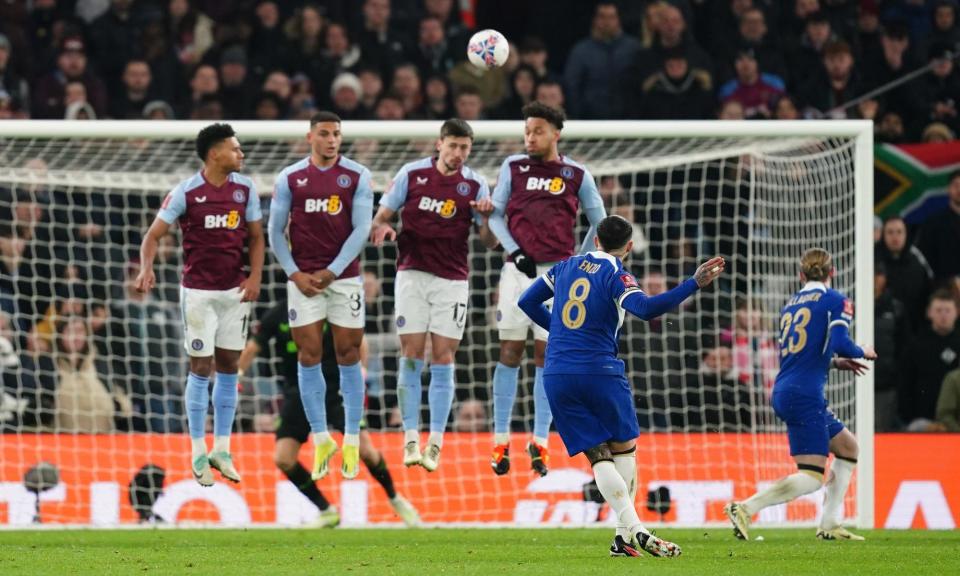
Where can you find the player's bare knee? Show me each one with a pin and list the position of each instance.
(348, 355)
(285, 462)
(442, 357)
(370, 455)
(202, 366)
(598, 454)
(511, 353)
(308, 357)
(227, 361)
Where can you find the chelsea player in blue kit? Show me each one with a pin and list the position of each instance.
(814, 327)
(591, 399)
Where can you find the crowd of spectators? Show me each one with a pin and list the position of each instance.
(406, 59)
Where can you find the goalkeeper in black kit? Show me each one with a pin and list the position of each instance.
(293, 428)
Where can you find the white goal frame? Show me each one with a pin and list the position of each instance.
(861, 131)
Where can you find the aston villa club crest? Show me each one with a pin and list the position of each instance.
(343, 181)
(238, 196)
(566, 172)
(463, 189)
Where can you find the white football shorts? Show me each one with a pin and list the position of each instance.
(428, 303)
(214, 319)
(341, 303)
(512, 323)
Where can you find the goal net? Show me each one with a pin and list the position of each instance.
(92, 411)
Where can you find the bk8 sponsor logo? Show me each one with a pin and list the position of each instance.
(551, 185)
(445, 208)
(331, 205)
(229, 221)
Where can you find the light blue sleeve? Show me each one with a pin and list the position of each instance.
(396, 195)
(498, 221)
(362, 218)
(592, 205)
(254, 213)
(482, 194)
(277, 225)
(174, 206)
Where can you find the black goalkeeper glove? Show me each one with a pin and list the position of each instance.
(524, 264)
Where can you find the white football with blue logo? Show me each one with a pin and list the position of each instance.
(488, 49)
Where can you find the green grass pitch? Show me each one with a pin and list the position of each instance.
(487, 552)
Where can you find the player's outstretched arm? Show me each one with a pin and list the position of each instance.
(650, 307)
(531, 302)
(146, 279)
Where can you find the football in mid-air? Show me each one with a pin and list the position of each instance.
(488, 49)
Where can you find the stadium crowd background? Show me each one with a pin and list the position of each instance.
(83, 352)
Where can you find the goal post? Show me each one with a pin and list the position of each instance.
(75, 198)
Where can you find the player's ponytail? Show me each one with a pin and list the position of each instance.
(816, 264)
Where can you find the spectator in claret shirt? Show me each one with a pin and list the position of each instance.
(754, 90)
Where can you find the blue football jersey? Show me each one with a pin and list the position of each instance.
(805, 346)
(586, 316)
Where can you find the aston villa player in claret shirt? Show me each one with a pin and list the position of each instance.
(218, 211)
(536, 201)
(324, 203)
(440, 200)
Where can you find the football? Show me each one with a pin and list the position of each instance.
(488, 49)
